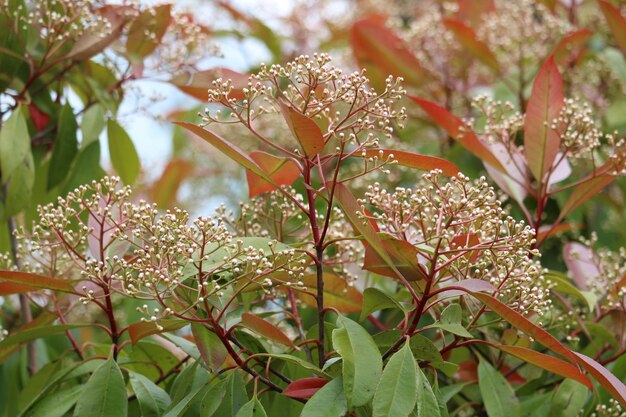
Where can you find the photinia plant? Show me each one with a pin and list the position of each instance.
(362, 276)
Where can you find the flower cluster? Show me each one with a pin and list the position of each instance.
(345, 104)
(462, 232)
(99, 238)
(612, 409)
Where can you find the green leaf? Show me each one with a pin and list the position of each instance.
(153, 400)
(213, 398)
(498, 396)
(65, 147)
(27, 335)
(14, 144)
(362, 361)
(450, 321)
(104, 394)
(235, 396)
(92, 125)
(124, 156)
(86, 168)
(252, 408)
(20, 186)
(375, 300)
(329, 401)
(210, 346)
(568, 399)
(396, 394)
(179, 409)
(562, 285)
(59, 403)
(427, 404)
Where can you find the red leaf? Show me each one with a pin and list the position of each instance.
(458, 131)
(468, 39)
(39, 118)
(92, 42)
(197, 83)
(414, 160)
(467, 240)
(265, 328)
(571, 46)
(541, 141)
(154, 21)
(282, 171)
(226, 147)
(607, 380)
(547, 362)
(382, 52)
(522, 323)
(7, 288)
(465, 286)
(139, 330)
(468, 373)
(473, 11)
(304, 388)
(548, 230)
(404, 257)
(337, 293)
(617, 23)
(164, 190)
(584, 191)
(37, 282)
(304, 129)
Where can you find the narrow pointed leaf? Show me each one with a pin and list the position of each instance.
(97, 39)
(65, 147)
(154, 21)
(329, 401)
(402, 254)
(469, 40)
(153, 400)
(227, 148)
(414, 160)
(571, 45)
(104, 394)
(306, 131)
(252, 408)
(396, 394)
(616, 21)
(450, 321)
(211, 348)
(265, 328)
(36, 281)
(304, 387)
(375, 300)
(139, 330)
(541, 140)
(522, 323)
(124, 156)
(427, 405)
(282, 171)
(607, 380)
(459, 131)
(498, 396)
(361, 361)
(382, 52)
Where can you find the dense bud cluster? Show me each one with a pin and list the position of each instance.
(345, 104)
(460, 226)
(105, 242)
